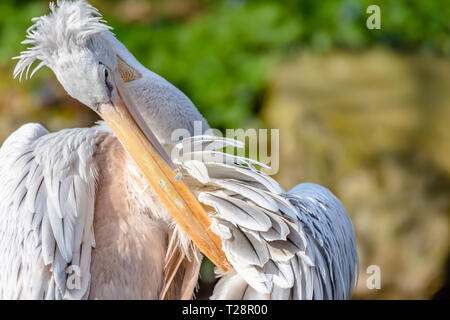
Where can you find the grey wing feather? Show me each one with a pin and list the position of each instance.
(47, 189)
(283, 245)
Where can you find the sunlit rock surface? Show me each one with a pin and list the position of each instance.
(375, 129)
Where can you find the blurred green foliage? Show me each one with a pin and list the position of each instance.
(222, 55)
(219, 59)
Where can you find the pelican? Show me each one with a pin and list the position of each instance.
(105, 212)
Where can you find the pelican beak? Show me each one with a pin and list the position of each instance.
(130, 128)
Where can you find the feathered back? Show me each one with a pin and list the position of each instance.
(298, 244)
(69, 24)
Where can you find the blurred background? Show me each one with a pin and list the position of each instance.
(363, 112)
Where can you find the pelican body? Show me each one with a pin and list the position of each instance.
(105, 213)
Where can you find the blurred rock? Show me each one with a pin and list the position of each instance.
(149, 11)
(373, 128)
(133, 10)
(41, 100)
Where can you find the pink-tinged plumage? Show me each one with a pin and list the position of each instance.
(129, 235)
(132, 231)
(128, 261)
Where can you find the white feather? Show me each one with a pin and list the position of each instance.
(295, 245)
(48, 224)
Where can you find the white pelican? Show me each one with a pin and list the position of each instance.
(109, 206)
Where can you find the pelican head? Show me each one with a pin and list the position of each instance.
(140, 107)
(89, 62)
(72, 41)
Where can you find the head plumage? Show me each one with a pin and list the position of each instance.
(69, 24)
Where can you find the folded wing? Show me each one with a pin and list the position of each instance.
(46, 213)
(283, 245)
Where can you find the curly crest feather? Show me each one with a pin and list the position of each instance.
(69, 23)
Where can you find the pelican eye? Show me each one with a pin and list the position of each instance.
(105, 76)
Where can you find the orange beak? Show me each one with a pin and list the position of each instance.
(124, 119)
